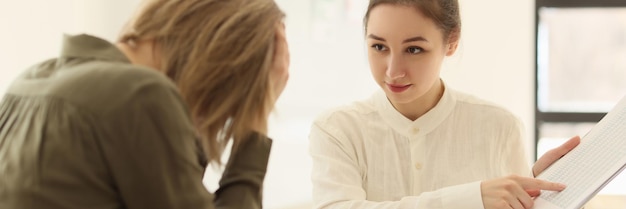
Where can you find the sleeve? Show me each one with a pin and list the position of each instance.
(151, 151)
(241, 183)
(152, 155)
(338, 182)
(514, 157)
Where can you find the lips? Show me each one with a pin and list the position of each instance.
(398, 88)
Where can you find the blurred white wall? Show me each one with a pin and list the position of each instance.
(31, 30)
(494, 61)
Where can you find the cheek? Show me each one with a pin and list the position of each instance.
(425, 67)
(378, 65)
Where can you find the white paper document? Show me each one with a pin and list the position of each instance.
(586, 169)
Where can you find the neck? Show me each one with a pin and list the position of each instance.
(140, 53)
(415, 109)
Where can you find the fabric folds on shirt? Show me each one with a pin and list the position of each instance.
(90, 130)
(368, 155)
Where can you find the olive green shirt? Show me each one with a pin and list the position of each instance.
(89, 130)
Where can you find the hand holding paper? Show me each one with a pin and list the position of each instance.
(600, 157)
(554, 154)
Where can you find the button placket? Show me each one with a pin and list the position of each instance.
(415, 130)
(418, 166)
(416, 163)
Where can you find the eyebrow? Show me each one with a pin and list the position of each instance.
(416, 38)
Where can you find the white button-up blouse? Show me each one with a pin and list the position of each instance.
(368, 155)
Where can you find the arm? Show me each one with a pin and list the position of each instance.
(241, 183)
(338, 180)
(151, 151)
(514, 159)
(153, 161)
(516, 191)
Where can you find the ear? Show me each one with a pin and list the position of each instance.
(453, 42)
(452, 48)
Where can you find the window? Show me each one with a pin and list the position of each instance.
(580, 70)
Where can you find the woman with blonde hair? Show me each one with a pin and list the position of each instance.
(133, 124)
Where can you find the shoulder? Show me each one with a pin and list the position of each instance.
(130, 88)
(347, 114)
(484, 110)
(115, 84)
(124, 94)
(120, 75)
(346, 122)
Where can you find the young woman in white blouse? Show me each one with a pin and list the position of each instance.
(418, 143)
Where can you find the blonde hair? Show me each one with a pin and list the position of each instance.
(219, 53)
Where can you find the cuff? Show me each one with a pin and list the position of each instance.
(250, 162)
(463, 196)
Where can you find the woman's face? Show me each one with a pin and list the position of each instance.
(405, 51)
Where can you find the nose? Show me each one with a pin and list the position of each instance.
(395, 67)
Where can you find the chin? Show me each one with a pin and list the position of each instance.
(400, 98)
(409, 96)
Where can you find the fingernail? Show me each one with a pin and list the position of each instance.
(561, 186)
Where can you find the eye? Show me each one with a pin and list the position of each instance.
(379, 47)
(414, 50)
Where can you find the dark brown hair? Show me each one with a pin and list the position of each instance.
(445, 14)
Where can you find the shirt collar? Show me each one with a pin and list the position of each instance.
(86, 46)
(424, 124)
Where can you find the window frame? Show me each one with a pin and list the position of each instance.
(563, 117)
